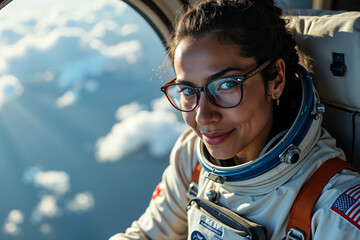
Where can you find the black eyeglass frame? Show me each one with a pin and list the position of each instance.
(241, 79)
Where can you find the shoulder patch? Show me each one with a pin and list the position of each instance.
(158, 189)
(347, 205)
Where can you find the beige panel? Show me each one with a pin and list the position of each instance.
(321, 34)
(322, 4)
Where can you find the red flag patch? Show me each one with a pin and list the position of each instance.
(158, 189)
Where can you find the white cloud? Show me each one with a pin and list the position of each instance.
(14, 219)
(129, 110)
(56, 181)
(55, 184)
(128, 29)
(47, 207)
(15, 216)
(122, 49)
(81, 202)
(69, 98)
(100, 28)
(53, 188)
(157, 129)
(11, 228)
(10, 88)
(40, 40)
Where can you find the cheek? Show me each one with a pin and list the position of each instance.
(189, 118)
(256, 105)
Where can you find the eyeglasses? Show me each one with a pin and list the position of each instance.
(224, 92)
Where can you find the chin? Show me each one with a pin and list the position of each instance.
(220, 153)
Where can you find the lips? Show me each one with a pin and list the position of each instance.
(216, 138)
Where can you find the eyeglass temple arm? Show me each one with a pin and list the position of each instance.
(257, 70)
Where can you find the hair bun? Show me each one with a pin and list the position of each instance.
(270, 5)
(265, 2)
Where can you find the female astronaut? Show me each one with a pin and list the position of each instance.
(253, 128)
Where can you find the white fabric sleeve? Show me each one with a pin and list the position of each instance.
(165, 217)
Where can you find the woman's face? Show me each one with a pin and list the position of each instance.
(239, 132)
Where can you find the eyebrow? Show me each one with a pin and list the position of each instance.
(222, 72)
(214, 76)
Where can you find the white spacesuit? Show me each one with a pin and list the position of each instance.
(262, 190)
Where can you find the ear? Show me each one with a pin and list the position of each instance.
(277, 85)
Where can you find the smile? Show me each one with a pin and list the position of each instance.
(216, 138)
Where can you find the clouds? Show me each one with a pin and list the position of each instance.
(69, 98)
(72, 47)
(47, 207)
(97, 59)
(12, 222)
(10, 88)
(53, 187)
(156, 129)
(81, 202)
(55, 181)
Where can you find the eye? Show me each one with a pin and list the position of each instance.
(187, 91)
(227, 84)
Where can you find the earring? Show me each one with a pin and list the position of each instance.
(277, 99)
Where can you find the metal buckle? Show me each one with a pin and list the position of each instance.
(216, 178)
(192, 190)
(295, 234)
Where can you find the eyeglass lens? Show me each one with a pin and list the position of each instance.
(224, 92)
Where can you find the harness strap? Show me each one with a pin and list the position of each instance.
(193, 187)
(300, 215)
(196, 173)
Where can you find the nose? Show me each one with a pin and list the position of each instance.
(206, 112)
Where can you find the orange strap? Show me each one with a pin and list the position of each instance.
(196, 173)
(300, 215)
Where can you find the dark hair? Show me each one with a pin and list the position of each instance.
(257, 28)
